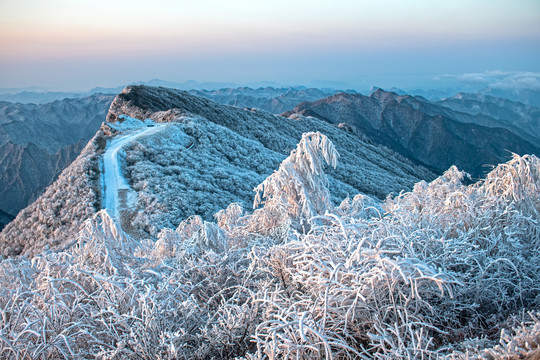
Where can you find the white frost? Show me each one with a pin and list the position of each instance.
(113, 180)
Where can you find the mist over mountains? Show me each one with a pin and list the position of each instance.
(490, 111)
(273, 100)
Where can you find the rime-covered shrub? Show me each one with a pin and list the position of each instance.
(299, 188)
(444, 271)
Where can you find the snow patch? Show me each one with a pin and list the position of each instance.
(126, 123)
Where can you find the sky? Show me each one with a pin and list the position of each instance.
(76, 45)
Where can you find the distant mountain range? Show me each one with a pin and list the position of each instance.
(261, 97)
(38, 141)
(526, 96)
(274, 100)
(491, 111)
(431, 134)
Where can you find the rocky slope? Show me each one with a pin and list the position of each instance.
(38, 141)
(229, 152)
(425, 132)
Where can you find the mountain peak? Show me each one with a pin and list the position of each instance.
(383, 96)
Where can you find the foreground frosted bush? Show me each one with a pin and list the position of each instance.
(446, 270)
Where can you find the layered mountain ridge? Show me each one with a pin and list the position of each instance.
(433, 135)
(38, 141)
(28, 170)
(491, 111)
(274, 100)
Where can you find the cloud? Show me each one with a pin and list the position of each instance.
(497, 79)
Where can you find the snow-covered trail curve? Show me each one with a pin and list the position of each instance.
(113, 181)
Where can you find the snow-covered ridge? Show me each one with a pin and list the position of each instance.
(113, 180)
(234, 150)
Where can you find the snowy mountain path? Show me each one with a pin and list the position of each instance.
(112, 179)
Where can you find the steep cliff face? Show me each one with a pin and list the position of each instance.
(422, 131)
(38, 141)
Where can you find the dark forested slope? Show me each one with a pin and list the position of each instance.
(426, 133)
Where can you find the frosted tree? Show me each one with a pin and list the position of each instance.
(103, 245)
(518, 180)
(299, 188)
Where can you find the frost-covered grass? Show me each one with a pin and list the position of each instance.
(195, 168)
(444, 271)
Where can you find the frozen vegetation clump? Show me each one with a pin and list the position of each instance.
(444, 271)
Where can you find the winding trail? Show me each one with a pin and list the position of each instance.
(113, 182)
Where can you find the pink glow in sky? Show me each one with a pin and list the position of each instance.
(74, 44)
